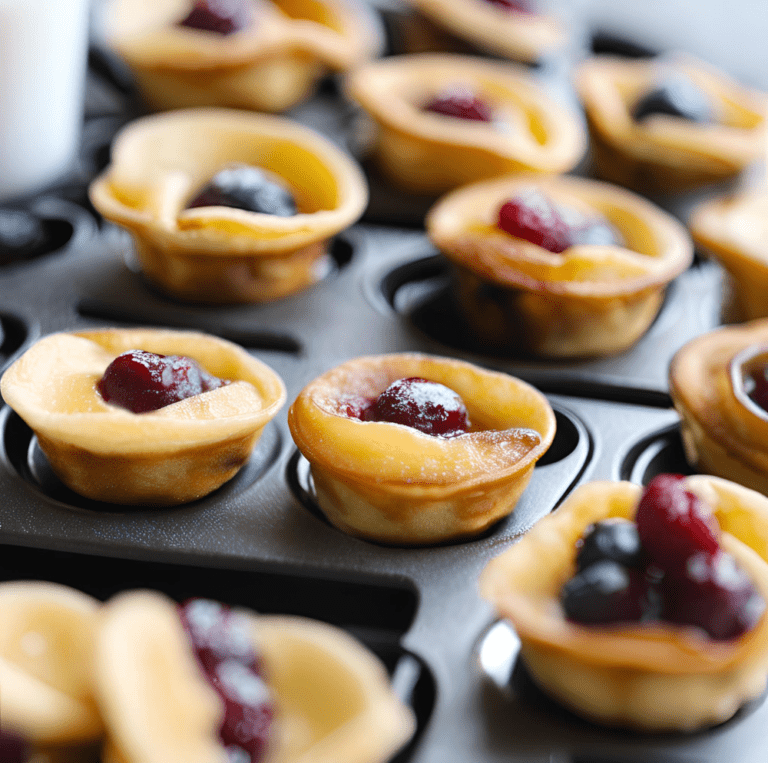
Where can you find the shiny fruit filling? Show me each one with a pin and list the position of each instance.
(428, 406)
(245, 187)
(667, 565)
(142, 381)
(219, 16)
(675, 96)
(222, 642)
(460, 103)
(519, 6)
(534, 217)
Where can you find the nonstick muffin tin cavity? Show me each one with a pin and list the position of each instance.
(262, 541)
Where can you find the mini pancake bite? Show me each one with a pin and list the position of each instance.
(717, 383)
(513, 29)
(204, 683)
(228, 207)
(413, 449)
(445, 120)
(557, 267)
(668, 125)
(643, 608)
(46, 641)
(248, 54)
(734, 230)
(159, 426)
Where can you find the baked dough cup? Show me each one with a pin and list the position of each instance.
(394, 484)
(427, 153)
(333, 701)
(734, 230)
(525, 37)
(654, 676)
(723, 431)
(221, 254)
(589, 300)
(270, 65)
(664, 154)
(170, 456)
(46, 642)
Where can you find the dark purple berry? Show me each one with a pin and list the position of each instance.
(460, 104)
(430, 407)
(673, 523)
(248, 188)
(607, 592)
(677, 96)
(713, 593)
(143, 381)
(615, 541)
(219, 16)
(520, 6)
(13, 749)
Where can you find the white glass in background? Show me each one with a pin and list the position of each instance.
(43, 52)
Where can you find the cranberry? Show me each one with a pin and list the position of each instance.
(217, 633)
(222, 643)
(713, 593)
(533, 217)
(461, 104)
(142, 381)
(247, 707)
(244, 187)
(676, 96)
(520, 6)
(430, 407)
(615, 541)
(673, 523)
(13, 749)
(219, 16)
(608, 592)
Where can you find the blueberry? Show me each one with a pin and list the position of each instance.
(246, 187)
(607, 592)
(676, 96)
(611, 540)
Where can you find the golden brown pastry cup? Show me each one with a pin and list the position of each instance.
(46, 655)
(733, 230)
(665, 154)
(391, 483)
(332, 696)
(270, 66)
(160, 458)
(652, 677)
(585, 301)
(220, 254)
(429, 153)
(723, 431)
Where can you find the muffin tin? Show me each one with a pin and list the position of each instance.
(261, 540)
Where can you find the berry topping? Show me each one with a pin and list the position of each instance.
(673, 523)
(460, 103)
(223, 644)
(519, 6)
(713, 593)
(244, 187)
(142, 381)
(533, 217)
(607, 592)
(430, 407)
(219, 16)
(676, 96)
(611, 540)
